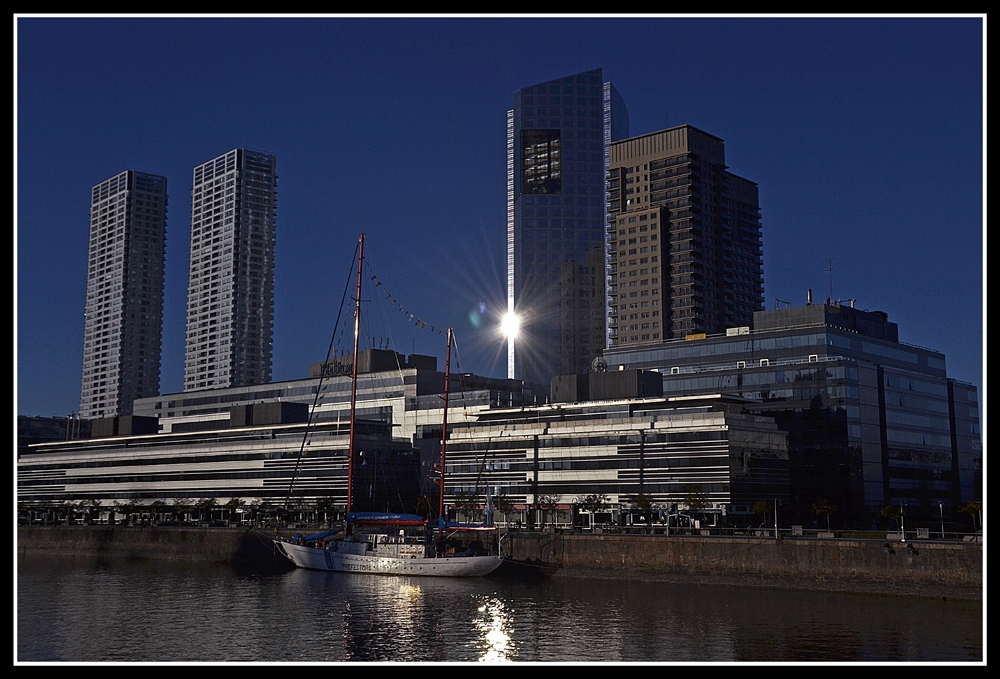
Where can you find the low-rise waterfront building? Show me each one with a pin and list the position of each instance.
(252, 444)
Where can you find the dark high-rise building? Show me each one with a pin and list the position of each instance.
(231, 283)
(684, 239)
(124, 309)
(558, 134)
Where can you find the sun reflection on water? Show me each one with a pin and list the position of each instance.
(494, 624)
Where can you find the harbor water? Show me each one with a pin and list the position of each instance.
(89, 610)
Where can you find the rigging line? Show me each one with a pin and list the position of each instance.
(421, 324)
(465, 412)
(319, 386)
(380, 383)
(482, 465)
(461, 377)
(391, 340)
(465, 406)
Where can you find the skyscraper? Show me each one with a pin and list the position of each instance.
(684, 241)
(558, 134)
(231, 281)
(124, 307)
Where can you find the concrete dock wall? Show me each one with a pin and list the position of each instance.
(239, 548)
(929, 569)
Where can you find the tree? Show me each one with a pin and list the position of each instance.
(181, 506)
(204, 507)
(695, 497)
(466, 503)
(233, 504)
(972, 509)
(594, 502)
(325, 505)
(762, 507)
(156, 511)
(126, 508)
(80, 508)
(644, 503)
(824, 507)
(502, 504)
(891, 513)
(93, 506)
(547, 503)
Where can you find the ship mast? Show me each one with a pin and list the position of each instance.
(444, 437)
(354, 377)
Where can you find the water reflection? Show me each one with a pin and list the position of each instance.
(494, 624)
(140, 612)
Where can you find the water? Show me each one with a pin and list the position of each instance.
(78, 611)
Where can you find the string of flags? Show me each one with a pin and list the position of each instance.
(410, 317)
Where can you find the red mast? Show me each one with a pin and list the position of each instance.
(354, 372)
(444, 434)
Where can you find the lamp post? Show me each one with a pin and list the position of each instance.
(941, 507)
(775, 518)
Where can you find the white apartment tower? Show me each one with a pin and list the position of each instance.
(124, 308)
(231, 282)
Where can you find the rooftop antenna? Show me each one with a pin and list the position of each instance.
(829, 270)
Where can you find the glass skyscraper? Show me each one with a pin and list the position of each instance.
(231, 283)
(124, 309)
(558, 133)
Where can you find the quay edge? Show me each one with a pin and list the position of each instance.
(929, 569)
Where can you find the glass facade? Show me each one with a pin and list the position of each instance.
(871, 422)
(557, 136)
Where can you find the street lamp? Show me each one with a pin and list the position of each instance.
(775, 518)
(941, 507)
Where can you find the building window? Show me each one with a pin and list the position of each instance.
(541, 161)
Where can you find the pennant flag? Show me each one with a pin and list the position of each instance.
(410, 316)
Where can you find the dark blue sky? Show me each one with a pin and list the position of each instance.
(864, 135)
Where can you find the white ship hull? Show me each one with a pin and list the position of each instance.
(348, 556)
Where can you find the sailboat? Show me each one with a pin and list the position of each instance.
(387, 552)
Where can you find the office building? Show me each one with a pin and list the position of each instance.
(557, 140)
(700, 455)
(243, 443)
(684, 239)
(872, 422)
(703, 453)
(231, 282)
(124, 307)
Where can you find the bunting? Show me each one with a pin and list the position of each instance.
(410, 317)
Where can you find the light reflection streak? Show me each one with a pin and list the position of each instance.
(494, 625)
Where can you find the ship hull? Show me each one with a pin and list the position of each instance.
(344, 561)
